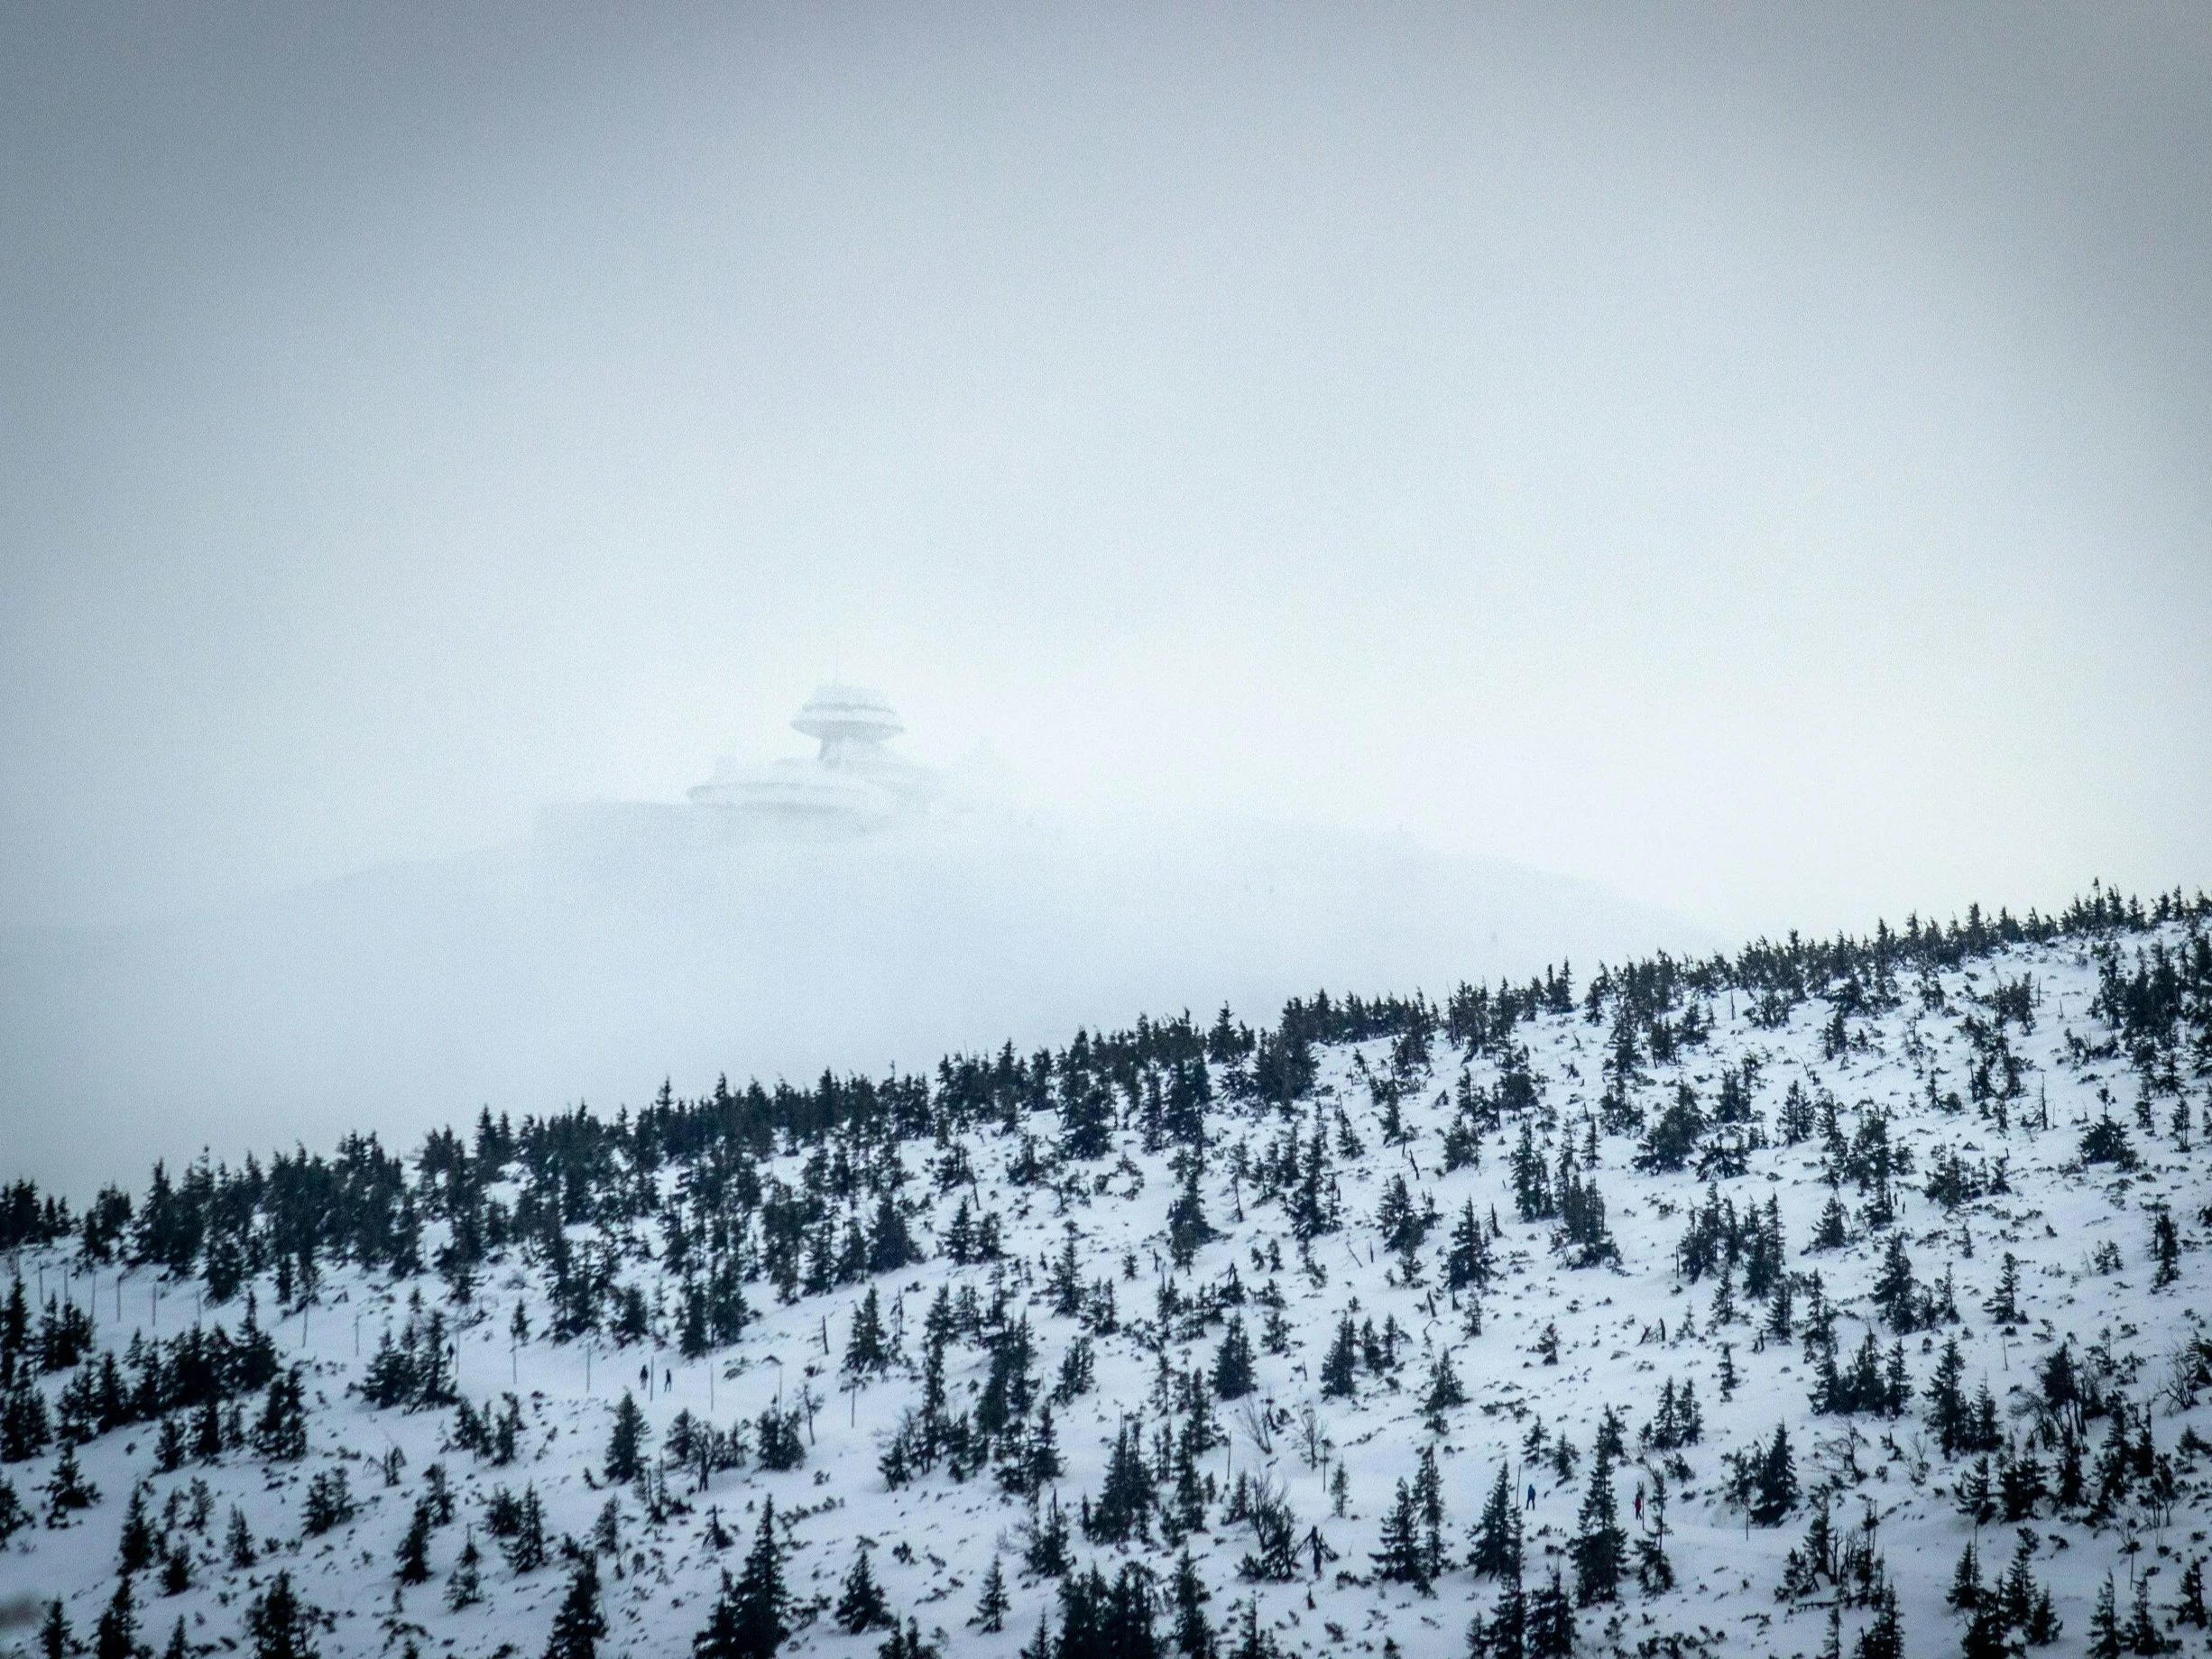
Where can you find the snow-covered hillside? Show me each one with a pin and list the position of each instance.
(1926, 1207)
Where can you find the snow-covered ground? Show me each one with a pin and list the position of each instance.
(934, 1536)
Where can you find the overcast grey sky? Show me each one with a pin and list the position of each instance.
(1756, 458)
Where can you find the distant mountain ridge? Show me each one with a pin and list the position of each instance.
(613, 948)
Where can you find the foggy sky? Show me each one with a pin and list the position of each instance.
(1752, 457)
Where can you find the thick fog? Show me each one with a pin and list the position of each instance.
(1749, 464)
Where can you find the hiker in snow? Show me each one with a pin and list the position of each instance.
(1532, 1494)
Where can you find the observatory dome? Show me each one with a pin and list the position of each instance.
(852, 782)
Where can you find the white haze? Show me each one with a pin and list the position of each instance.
(1754, 461)
(590, 966)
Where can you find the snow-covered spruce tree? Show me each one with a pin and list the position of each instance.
(1600, 1546)
(134, 1548)
(1504, 1634)
(1188, 1231)
(579, 1623)
(626, 1442)
(867, 1353)
(464, 1586)
(1399, 1558)
(1551, 1621)
(2105, 1640)
(1338, 1370)
(1233, 1374)
(1496, 1537)
(760, 1600)
(1445, 1389)
(116, 1635)
(860, 1604)
(1766, 1481)
(2188, 1605)
(1966, 1593)
(525, 1545)
(1884, 1636)
(239, 1541)
(1192, 1636)
(280, 1625)
(905, 1644)
(991, 1604)
(1895, 1291)
(721, 1637)
(1468, 1263)
(2165, 1250)
(411, 1562)
(2143, 1634)
(1046, 1551)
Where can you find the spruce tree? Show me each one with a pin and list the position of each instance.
(1429, 1502)
(55, 1639)
(1336, 1370)
(2165, 1250)
(761, 1596)
(1600, 1546)
(115, 1636)
(2004, 1306)
(281, 1626)
(1444, 1390)
(1966, 1591)
(2105, 1639)
(626, 1444)
(2189, 1608)
(1187, 1228)
(1550, 1622)
(721, 1636)
(526, 1548)
(1985, 1636)
(1946, 1404)
(1654, 1572)
(238, 1540)
(1883, 1638)
(1194, 1637)
(1497, 1536)
(580, 1623)
(2143, 1634)
(1894, 1291)
(1398, 1556)
(866, 1351)
(1467, 1264)
(465, 1587)
(906, 1645)
(1047, 1552)
(1504, 1635)
(991, 1606)
(414, 1553)
(135, 1549)
(1775, 1484)
(1234, 1375)
(860, 1604)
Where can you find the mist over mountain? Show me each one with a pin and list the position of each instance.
(612, 949)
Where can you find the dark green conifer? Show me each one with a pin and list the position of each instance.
(626, 1444)
(580, 1623)
(860, 1604)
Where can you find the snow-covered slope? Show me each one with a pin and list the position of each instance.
(1937, 1094)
